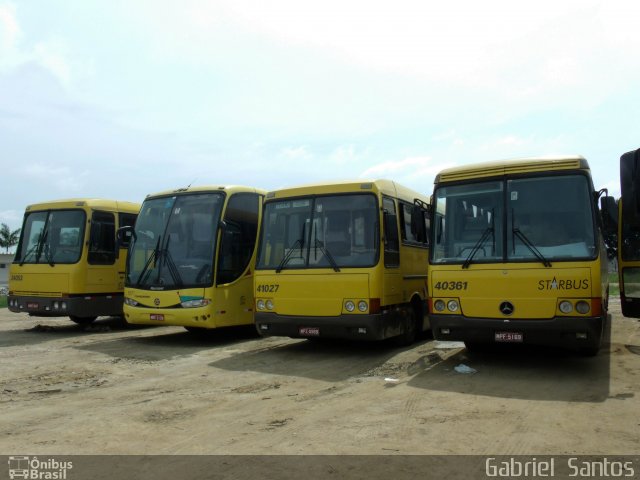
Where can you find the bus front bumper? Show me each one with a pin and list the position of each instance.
(371, 327)
(89, 305)
(572, 332)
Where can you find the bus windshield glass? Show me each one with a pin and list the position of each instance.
(173, 245)
(333, 231)
(533, 219)
(53, 236)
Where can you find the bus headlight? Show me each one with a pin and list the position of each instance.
(362, 306)
(260, 304)
(349, 306)
(452, 305)
(582, 307)
(438, 306)
(269, 305)
(130, 301)
(565, 307)
(199, 302)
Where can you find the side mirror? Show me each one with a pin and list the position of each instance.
(630, 186)
(123, 238)
(609, 212)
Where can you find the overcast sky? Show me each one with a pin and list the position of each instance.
(118, 99)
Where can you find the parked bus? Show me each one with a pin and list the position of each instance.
(629, 234)
(343, 260)
(191, 258)
(517, 255)
(68, 262)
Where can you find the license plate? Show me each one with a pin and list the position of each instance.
(32, 305)
(309, 331)
(157, 317)
(512, 337)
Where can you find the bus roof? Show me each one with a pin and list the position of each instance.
(207, 188)
(387, 187)
(512, 167)
(100, 203)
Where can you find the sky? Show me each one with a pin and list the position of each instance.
(119, 99)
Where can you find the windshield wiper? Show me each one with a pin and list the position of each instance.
(332, 260)
(485, 235)
(168, 260)
(298, 242)
(527, 243)
(31, 251)
(144, 273)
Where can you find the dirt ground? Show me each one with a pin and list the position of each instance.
(109, 388)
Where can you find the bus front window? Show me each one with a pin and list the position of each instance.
(174, 242)
(332, 231)
(54, 236)
(468, 223)
(551, 217)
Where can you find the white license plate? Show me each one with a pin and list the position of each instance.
(309, 331)
(157, 317)
(509, 337)
(32, 306)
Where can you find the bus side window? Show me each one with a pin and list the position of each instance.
(102, 241)
(391, 241)
(238, 236)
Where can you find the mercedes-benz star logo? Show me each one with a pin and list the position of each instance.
(156, 302)
(507, 308)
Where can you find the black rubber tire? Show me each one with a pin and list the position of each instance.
(410, 335)
(82, 320)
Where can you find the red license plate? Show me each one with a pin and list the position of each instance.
(157, 316)
(309, 331)
(509, 337)
(32, 305)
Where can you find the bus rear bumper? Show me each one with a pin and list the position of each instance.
(371, 327)
(572, 332)
(89, 305)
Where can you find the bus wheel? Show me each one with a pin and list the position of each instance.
(411, 331)
(82, 320)
(200, 331)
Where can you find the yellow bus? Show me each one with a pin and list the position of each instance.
(629, 234)
(343, 260)
(68, 262)
(191, 258)
(517, 255)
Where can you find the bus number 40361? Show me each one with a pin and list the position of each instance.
(451, 286)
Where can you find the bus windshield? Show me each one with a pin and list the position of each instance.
(173, 245)
(52, 236)
(331, 231)
(537, 219)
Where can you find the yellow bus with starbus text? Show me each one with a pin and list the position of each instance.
(343, 260)
(68, 262)
(191, 258)
(517, 255)
(629, 234)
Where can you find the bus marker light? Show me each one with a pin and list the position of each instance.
(565, 306)
(582, 307)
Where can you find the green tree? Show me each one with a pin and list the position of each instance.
(8, 238)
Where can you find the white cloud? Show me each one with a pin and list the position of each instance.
(410, 166)
(63, 178)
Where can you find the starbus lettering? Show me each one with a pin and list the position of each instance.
(563, 284)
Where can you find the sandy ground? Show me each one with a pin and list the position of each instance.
(109, 388)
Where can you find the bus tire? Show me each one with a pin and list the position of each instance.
(411, 331)
(197, 330)
(82, 320)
